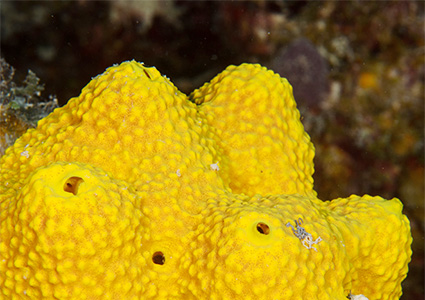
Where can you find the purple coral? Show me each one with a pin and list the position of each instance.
(305, 69)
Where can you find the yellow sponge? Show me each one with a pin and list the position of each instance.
(135, 191)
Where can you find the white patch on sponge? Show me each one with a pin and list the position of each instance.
(214, 167)
(357, 297)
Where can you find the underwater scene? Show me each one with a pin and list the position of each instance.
(212, 150)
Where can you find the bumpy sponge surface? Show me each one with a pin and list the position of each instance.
(135, 191)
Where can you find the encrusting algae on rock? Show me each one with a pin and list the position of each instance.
(135, 191)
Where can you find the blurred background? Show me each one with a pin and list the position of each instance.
(357, 69)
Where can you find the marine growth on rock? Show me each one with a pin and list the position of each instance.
(134, 190)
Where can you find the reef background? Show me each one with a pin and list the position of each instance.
(357, 69)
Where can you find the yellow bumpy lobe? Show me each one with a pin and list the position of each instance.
(73, 228)
(135, 191)
(256, 124)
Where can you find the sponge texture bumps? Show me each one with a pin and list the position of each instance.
(134, 190)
